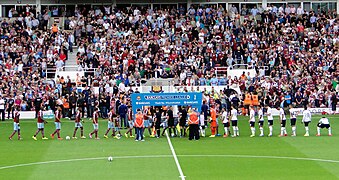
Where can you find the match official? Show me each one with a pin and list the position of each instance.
(193, 125)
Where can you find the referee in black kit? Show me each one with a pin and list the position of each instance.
(170, 120)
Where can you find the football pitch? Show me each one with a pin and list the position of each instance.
(209, 158)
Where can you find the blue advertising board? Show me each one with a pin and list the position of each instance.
(193, 99)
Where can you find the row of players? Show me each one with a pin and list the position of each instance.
(228, 119)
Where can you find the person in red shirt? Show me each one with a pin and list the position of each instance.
(41, 126)
(58, 115)
(16, 123)
(110, 125)
(213, 121)
(95, 124)
(78, 124)
(139, 125)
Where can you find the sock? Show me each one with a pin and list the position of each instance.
(253, 130)
(234, 131)
(293, 130)
(96, 134)
(281, 131)
(237, 129)
(43, 133)
(307, 129)
(58, 133)
(19, 133)
(82, 132)
(318, 130)
(12, 134)
(75, 131)
(285, 132)
(261, 131)
(158, 132)
(175, 131)
(107, 131)
(213, 130)
(226, 132)
(170, 131)
(271, 130)
(329, 131)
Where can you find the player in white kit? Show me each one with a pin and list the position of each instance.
(307, 118)
(324, 123)
(293, 116)
(202, 123)
(282, 118)
(234, 121)
(270, 119)
(252, 121)
(261, 120)
(225, 121)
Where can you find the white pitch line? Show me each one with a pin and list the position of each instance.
(169, 156)
(182, 176)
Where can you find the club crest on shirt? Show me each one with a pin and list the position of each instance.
(138, 98)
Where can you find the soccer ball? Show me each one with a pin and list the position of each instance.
(110, 158)
(68, 138)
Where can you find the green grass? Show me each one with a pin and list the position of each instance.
(238, 161)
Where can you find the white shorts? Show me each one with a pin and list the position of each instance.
(110, 125)
(130, 124)
(41, 125)
(78, 125)
(16, 126)
(57, 125)
(146, 123)
(96, 126)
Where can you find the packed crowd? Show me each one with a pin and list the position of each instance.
(126, 46)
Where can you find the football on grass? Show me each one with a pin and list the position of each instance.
(110, 158)
(68, 138)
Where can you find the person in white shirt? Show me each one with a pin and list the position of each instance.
(261, 120)
(252, 121)
(324, 123)
(225, 121)
(270, 119)
(2, 108)
(234, 121)
(307, 118)
(282, 117)
(293, 117)
(202, 124)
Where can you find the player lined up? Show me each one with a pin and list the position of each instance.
(190, 118)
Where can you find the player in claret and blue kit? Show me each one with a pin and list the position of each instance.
(16, 123)
(41, 126)
(57, 122)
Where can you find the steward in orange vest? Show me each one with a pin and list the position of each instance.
(193, 125)
(139, 125)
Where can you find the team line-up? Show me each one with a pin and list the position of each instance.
(189, 120)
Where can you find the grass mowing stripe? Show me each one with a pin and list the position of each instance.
(182, 176)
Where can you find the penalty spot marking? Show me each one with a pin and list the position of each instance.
(169, 156)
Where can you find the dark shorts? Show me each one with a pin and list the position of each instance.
(306, 124)
(324, 126)
(182, 122)
(226, 124)
(270, 122)
(157, 125)
(283, 123)
(170, 123)
(261, 123)
(293, 121)
(252, 124)
(234, 123)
